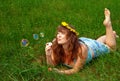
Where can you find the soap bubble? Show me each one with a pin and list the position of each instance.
(41, 34)
(35, 36)
(24, 42)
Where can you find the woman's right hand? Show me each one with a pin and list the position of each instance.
(48, 48)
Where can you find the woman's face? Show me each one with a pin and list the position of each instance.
(61, 37)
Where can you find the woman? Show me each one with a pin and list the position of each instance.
(69, 50)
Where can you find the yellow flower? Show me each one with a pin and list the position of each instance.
(68, 27)
(64, 24)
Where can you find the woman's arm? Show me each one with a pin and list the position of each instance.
(49, 60)
(49, 54)
(79, 65)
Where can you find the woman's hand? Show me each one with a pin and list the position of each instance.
(48, 48)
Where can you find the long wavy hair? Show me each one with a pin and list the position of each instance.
(74, 47)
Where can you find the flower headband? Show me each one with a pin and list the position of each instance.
(68, 27)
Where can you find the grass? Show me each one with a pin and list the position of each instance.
(22, 18)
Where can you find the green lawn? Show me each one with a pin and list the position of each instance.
(20, 19)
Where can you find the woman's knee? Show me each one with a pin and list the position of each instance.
(112, 46)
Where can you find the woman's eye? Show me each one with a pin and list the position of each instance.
(58, 33)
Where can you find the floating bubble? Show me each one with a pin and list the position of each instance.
(24, 43)
(35, 36)
(41, 34)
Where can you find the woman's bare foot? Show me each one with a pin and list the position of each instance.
(107, 21)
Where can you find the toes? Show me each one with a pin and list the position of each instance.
(107, 12)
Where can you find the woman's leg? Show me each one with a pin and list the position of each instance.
(110, 37)
(103, 38)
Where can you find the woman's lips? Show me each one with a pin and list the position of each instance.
(59, 39)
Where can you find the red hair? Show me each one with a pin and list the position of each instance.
(74, 47)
